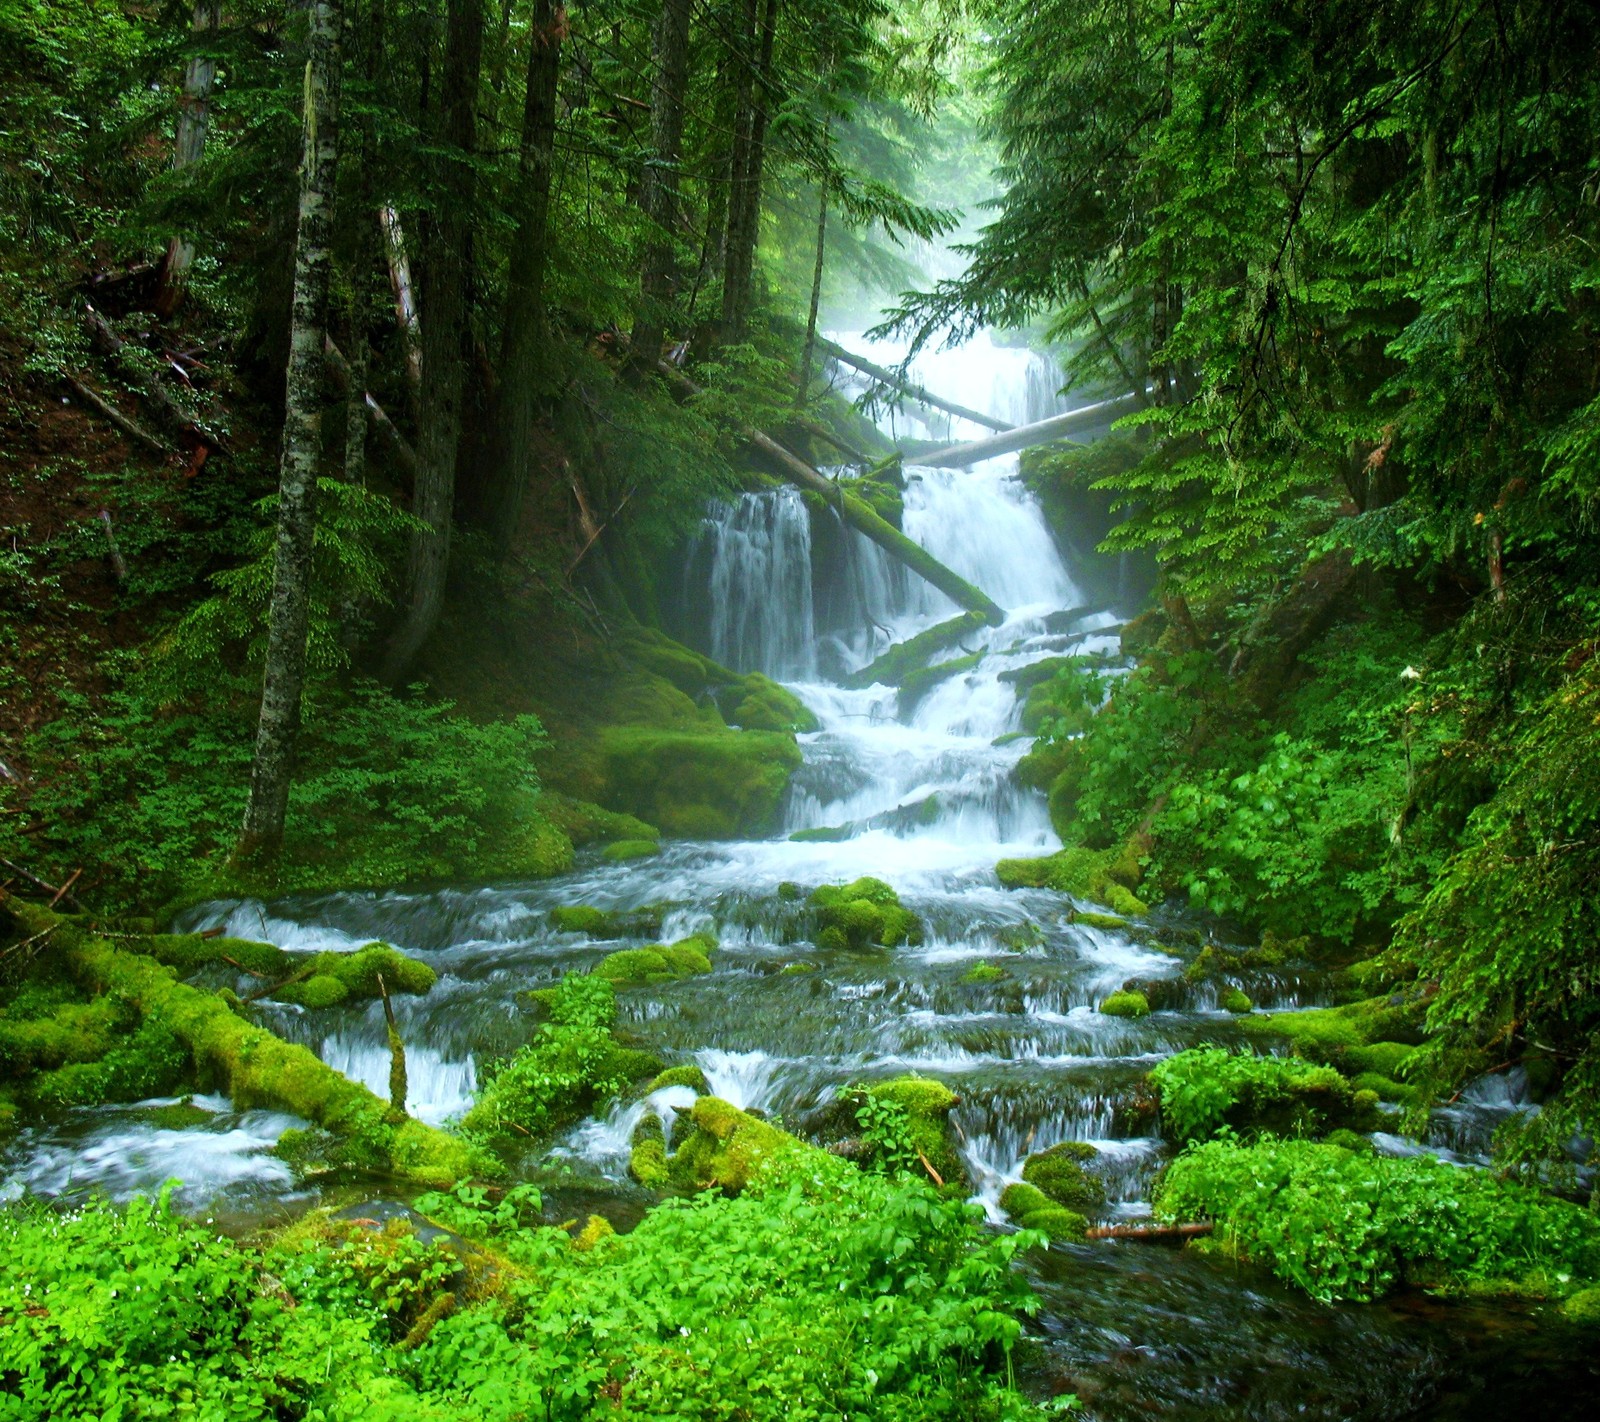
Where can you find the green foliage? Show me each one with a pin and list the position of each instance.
(1208, 1090)
(1341, 1224)
(865, 914)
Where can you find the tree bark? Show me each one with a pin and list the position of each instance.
(444, 300)
(189, 143)
(405, 303)
(658, 197)
(522, 363)
(808, 354)
(959, 456)
(744, 105)
(284, 676)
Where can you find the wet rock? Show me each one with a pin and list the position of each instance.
(1126, 1004)
(1059, 1172)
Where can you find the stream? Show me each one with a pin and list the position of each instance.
(926, 799)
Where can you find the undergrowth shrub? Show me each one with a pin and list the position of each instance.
(1207, 1089)
(1346, 1225)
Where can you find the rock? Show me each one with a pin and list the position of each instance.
(1126, 1004)
(1031, 1208)
(864, 914)
(985, 973)
(1059, 1172)
(1233, 999)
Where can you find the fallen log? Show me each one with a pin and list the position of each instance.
(1150, 1232)
(960, 456)
(860, 516)
(252, 1065)
(912, 655)
(912, 392)
(110, 413)
(108, 343)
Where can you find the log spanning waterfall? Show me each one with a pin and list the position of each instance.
(916, 789)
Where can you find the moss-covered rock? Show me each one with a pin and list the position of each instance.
(1059, 1172)
(1031, 1208)
(1109, 922)
(586, 823)
(606, 923)
(625, 849)
(864, 914)
(1019, 937)
(927, 1105)
(595, 1228)
(985, 973)
(1126, 1004)
(1234, 999)
(1100, 874)
(658, 963)
(727, 1146)
(1583, 1308)
(686, 1075)
(1377, 1036)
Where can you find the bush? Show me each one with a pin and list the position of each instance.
(1206, 1089)
(1345, 1225)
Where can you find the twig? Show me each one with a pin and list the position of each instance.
(304, 972)
(61, 893)
(235, 963)
(39, 883)
(1182, 1231)
(927, 1165)
(107, 411)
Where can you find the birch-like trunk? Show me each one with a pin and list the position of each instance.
(189, 145)
(658, 197)
(444, 305)
(284, 677)
(522, 352)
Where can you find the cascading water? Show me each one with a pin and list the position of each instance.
(915, 790)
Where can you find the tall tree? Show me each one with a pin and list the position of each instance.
(189, 143)
(658, 196)
(522, 355)
(744, 196)
(284, 675)
(444, 312)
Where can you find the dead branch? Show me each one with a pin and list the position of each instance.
(110, 413)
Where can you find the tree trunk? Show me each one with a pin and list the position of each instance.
(918, 393)
(284, 676)
(809, 352)
(658, 198)
(522, 364)
(405, 303)
(744, 223)
(444, 300)
(744, 104)
(188, 145)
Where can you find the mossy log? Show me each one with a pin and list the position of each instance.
(254, 1067)
(861, 517)
(912, 655)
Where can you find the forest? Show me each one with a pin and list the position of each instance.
(725, 710)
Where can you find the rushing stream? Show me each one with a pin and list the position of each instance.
(927, 798)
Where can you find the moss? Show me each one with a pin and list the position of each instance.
(596, 1228)
(915, 686)
(1384, 1088)
(625, 849)
(606, 923)
(728, 1146)
(8, 1113)
(1023, 1199)
(1031, 1208)
(790, 892)
(586, 823)
(1350, 1140)
(705, 783)
(647, 1163)
(927, 1105)
(824, 834)
(754, 703)
(985, 973)
(150, 1061)
(1108, 921)
(1376, 1036)
(1126, 1004)
(686, 1075)
(1234, 999)
(1059, 1173)
(791, 970)
(1583, 1307)
(66, 1032)
(655, 964)
(1083, 873)
(863, 914)
(336, 977)
(914, 653)
(256, 1068)
(189, 952)
(180, 1116)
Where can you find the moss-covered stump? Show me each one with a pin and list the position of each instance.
(1207, 1088)
(1106, 876)
(250, 1064)
(1126, 1003)
(606, 923)
(727, 1146)
(864, 914)
(659, 963)
(1059, 1172)
(1029, 1207)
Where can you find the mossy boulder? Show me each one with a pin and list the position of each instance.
(727, 1146)
(595, 1228)
(1204, 1089)
(985, 973)
(1059, 1172)
(863, 914)
(1109, 922)
(1126, 1004)
(625, 849)
(659, 963)
(686, 1075)
(1583, 1308)
(1029, 1207)
(1019, 937)
(1106, 876)
(926, 1105)
(337, 977)
(1234, 999)
(586, 823)
(1377, 1036)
